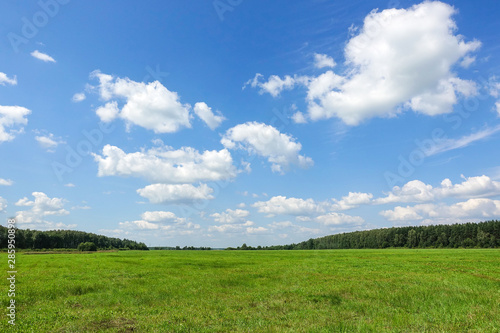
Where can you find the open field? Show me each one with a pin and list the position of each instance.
(449, 290)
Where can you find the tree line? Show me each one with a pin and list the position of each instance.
(178, 248)
(65, 239)
(467, 235)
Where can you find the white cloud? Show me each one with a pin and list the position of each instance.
(41, 207)
(322, 60)
(401, 214)
(179, 193)
(42, 56)
(4, 79)
(299, 118)
(139, 224)
(297, 229)
(165, 224)
(494, 87)
(10, 116)
(231, 216)
(149, 105)
(165, 165)
(6, 182)
(257, 230)
(108, 112)
(467, 61)
(280, 205)
(81, 207)
(400, 59)
(352, 200)
(478, 208)
(3, 204)
(280, 149)
(49, 142)
(70, 185)
(78, 97)
(161, 216)
(450, 144)
(417, 191)
(241, 228)
(281, 225)
(338, 218)
(205, 113)
(275, 85)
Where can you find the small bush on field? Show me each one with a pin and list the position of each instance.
(87, 246)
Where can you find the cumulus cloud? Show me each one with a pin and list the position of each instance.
(400, 59)
(299, 118)
(418, 191)
(275, 85)
(472, 209)
(3, 205)
(257, 230)
(280, 149)
(178, 193)
(231, 216)
(49, 142)
(78, 97)
(352, 200)
(161, 216)
(339, 218)
(6, 182)
(322, 61)
(12, 116)
(234, 221)
(166, 223)
(42, 56)
(149, 105)
(108, 112)
(295, 228)
(204, 112)
(281, 205)
(494, 88)
(41, 207)
(166, 165)
(4, 79)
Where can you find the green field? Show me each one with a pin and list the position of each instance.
(449, 290)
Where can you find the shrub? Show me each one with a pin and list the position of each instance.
(87, 246)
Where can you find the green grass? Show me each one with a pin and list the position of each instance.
(258, 291)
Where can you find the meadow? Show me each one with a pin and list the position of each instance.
(390, 290)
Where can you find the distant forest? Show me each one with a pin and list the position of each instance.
(468, 235)
(65, 239)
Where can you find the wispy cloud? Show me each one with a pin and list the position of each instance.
(78, 97)
(49, 142)
(451, 144)
(4, 79)
(42, 56)
(6, 182)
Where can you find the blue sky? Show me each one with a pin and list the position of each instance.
(216, 123)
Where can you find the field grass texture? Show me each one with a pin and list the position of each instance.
(391, 290)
